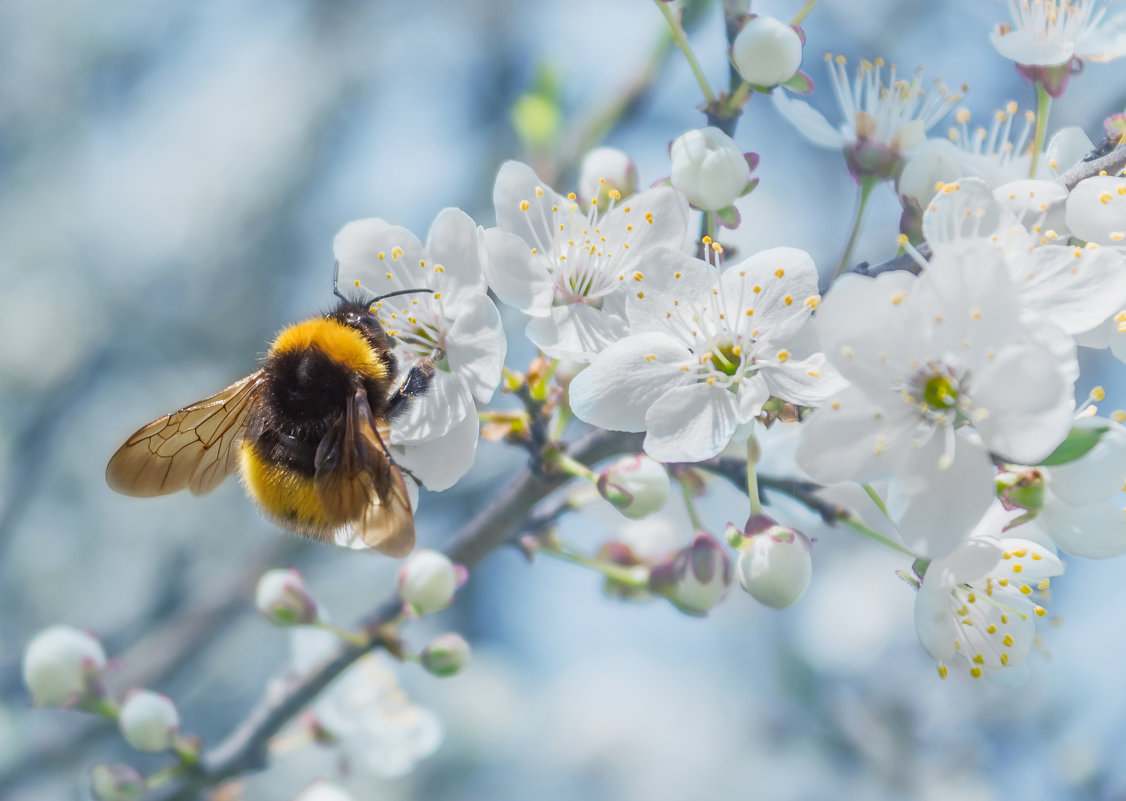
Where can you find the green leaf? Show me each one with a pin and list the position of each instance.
(1078, 443)
(800, 83)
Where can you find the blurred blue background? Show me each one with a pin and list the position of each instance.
(171, 177)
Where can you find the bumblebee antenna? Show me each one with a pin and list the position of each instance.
(336, 289)
(399, 292)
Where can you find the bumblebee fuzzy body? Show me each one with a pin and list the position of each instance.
(306, 433)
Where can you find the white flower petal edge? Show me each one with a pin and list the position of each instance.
(691, 423)
(440, 463)
(620, 385)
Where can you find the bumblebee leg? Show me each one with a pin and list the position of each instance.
(417, 382)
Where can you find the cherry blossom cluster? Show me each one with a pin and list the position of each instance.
(943, 382)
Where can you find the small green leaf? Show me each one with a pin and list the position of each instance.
(1077, 444)
(728, 217)
(800, 83)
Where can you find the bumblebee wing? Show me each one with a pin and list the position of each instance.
(193, 448)
(358, 484)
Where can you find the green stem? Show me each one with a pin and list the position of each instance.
(632, 577)
(681, 40)
(539, 390)
(1043, 106)
(876, 499)
(738, 97)
(562, 461)
(866, 186)
(350, 637)
(854, 522)
(690, 505)
(804, 12)
(753, 455)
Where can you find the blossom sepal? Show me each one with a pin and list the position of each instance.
(800, 84)
(694, 579)
(1079, 442)
(1054, 79)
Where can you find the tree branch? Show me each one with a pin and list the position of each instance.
(805, 492)
(245, 749)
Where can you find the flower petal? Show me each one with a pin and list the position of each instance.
(1099, 473)
(476, 346)
(690, 423)
(515, 274)
(810, 122)
(1093, 531)
(622, 382)
(379, 255)
(517, 184)
(773, 292)
(445, 403)
(576, 331)
(1075, 288)
(454, 244)
(440, 463)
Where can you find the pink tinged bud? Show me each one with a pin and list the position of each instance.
(428, 580)
(709, 169)
(284, 600)
(149, 721)
(63, 666)
(116, 783)
(605, 170)
(637, 485)
(695, 579)
(775, 566)
(447, 655)
(766, 51)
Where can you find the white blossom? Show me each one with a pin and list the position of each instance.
(707, 349)
(884, 118)
(374, 724)
(766, 51)
(709, 168)
(446, 655)
(605, 170)
(1047, 33)
(324, 791)
(149, 721)
(561, 266)
(282, 598)
(1074, 288)
(63, 666)
(637, 485)
(775, 564)
(456, 327)
(1083, 500)
(117, 783)
(427, 581)
(944, 373)
(1096, 210)
(977, 601)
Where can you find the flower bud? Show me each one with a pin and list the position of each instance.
(766, 52)
(428, 580)
(149, 721)
(695, 579)
(284, 600)
(709, 169)
(637, 485)
(63, 666)
(774, 563)
(603, 170)
(446, 655)
(116, 783)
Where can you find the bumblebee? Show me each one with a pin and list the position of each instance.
(307, 433)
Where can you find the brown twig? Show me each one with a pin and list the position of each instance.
(805, 492)
(245, 749)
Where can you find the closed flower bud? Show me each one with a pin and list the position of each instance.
(428, 580)
(446, 655)
(604, 170)
(766, 52)
(774, 563)
(637, 485)
(116, 783)
(695, 579)
(63, 666)
(709, 169)
(283, 599)
(149, 721)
